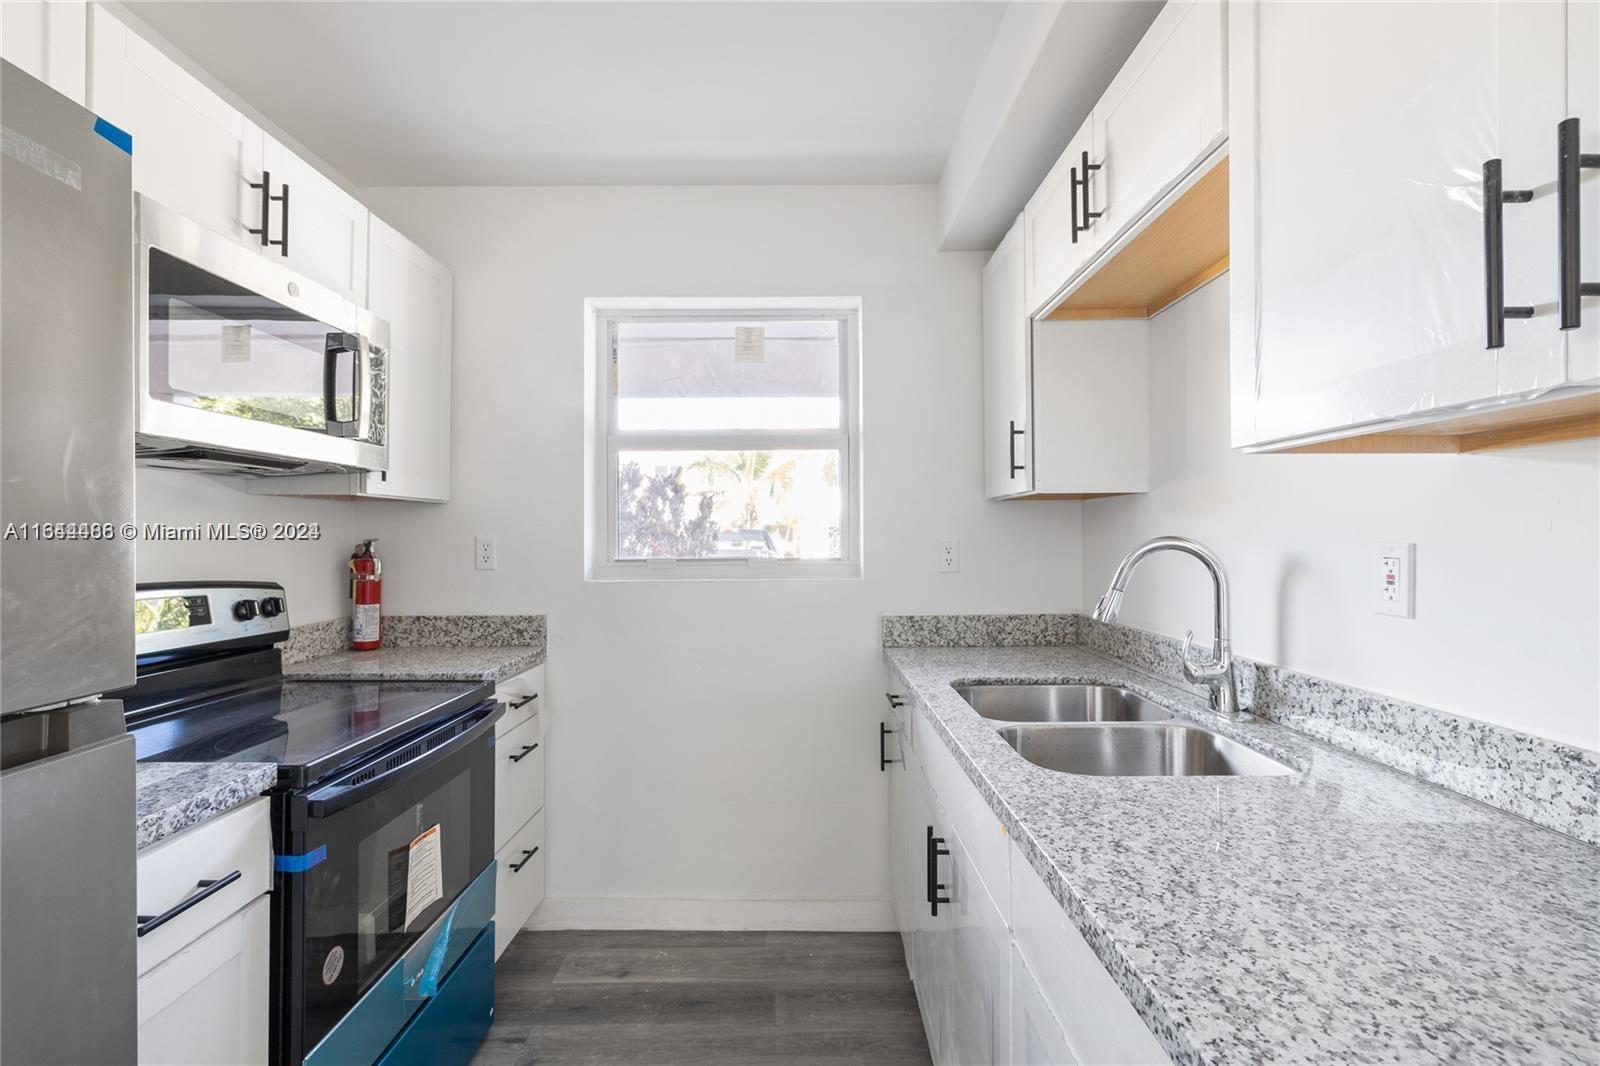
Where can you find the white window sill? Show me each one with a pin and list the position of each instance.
(727, 570)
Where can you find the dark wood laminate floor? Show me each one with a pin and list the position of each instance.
(683, 997)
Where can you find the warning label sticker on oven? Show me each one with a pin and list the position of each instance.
(236, 342)
(425, 878)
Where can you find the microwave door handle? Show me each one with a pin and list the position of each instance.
(339, 344)
(336, 796)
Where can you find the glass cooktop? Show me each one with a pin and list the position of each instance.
(309, 728)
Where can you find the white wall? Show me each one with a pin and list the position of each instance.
(1507, 625)
(711, 740)
(311, 572)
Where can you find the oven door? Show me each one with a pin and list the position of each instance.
(380, 852)
(238, 354)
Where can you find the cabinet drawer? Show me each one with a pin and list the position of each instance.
(1100, 1023)
(519, 881)
(523, 696)
(518, 779)
(898, 712)
(171, 871)
(981, 833)
(208, 1003)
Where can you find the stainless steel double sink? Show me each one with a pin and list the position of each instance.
(1105, 731)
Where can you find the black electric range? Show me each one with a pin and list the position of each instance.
(368, 773)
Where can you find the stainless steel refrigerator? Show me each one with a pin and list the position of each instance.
(67, 906)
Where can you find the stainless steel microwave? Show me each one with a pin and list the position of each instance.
(245, 366)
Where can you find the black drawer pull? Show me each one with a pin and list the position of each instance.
(527, 857)
(1495, 197)
(283, 240)
(524, 701)
(1570, 164)
(895, 700)
(883, 754)
(1082, 185)
(1016, 467)
(936, 849)
(527, 750)
(207, 889)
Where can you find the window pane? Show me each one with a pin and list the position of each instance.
(781, 504)
(727, 375)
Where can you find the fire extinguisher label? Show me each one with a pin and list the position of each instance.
(364, 624)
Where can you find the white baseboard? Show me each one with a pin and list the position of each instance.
(810, 915)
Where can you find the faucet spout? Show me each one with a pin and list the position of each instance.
(1217, 673)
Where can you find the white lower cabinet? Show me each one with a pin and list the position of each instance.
(208, 1003)
(204, 971)
(519, 805)
(1001, 973)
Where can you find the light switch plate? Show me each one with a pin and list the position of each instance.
(1396, 566)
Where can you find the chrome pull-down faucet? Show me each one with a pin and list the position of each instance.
(1217, 673)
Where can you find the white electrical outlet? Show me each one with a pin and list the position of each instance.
(483, 553)
(949, 560)
(1396, 562)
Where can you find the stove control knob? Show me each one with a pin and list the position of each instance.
(272, 606)
(244, 610)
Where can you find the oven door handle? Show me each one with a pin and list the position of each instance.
(432, 748)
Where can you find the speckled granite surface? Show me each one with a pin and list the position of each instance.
(1556, 785)
(977, 630)
(1348, 913)
(451, 663)
(172, 796)
(317, 639)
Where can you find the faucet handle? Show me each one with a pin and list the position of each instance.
(1209, 670)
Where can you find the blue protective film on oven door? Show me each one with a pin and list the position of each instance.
(299, 864)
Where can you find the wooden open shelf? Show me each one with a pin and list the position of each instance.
(1179, 251)
(1550, 422)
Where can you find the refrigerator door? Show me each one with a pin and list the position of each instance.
(66, 399)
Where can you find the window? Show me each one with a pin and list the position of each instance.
(725, 439)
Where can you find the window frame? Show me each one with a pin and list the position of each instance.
(605, 441)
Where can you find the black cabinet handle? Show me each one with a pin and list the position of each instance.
(527, 857)
(150, 923)
(936, 849)
(283, 240)
(1495, 197)
(265, 185)
(883, 752)
(1570, 164)
(1072, 199)
(1011, 449)
(1080, 185)
(525, 701)
(894, 700)
(525, 752)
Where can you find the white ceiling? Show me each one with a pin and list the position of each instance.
(395, 93)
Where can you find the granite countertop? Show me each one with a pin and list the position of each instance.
(172, 796)
(419, 663)
(1346, 913)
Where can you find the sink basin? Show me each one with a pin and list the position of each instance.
(1132, 750)
(1061, 703)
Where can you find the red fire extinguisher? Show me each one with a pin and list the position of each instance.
(366, 594)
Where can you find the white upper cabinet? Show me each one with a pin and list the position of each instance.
(1583, 104)
(1359, 241)
(48, 39)
(413, 292)
(1059, 237)
(1007, 434)
(325, 227)
(192, 151)
(1164, 112)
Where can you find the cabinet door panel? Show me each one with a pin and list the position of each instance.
(413, 292)
(1036, 1036)
(1161, 115)
(980, 987)
(327, 226)
(1583, 103)
(1357, 221)
(208, 1003)
(1052, 253)
(192, 152)
(1007, 410)
(48, 39)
